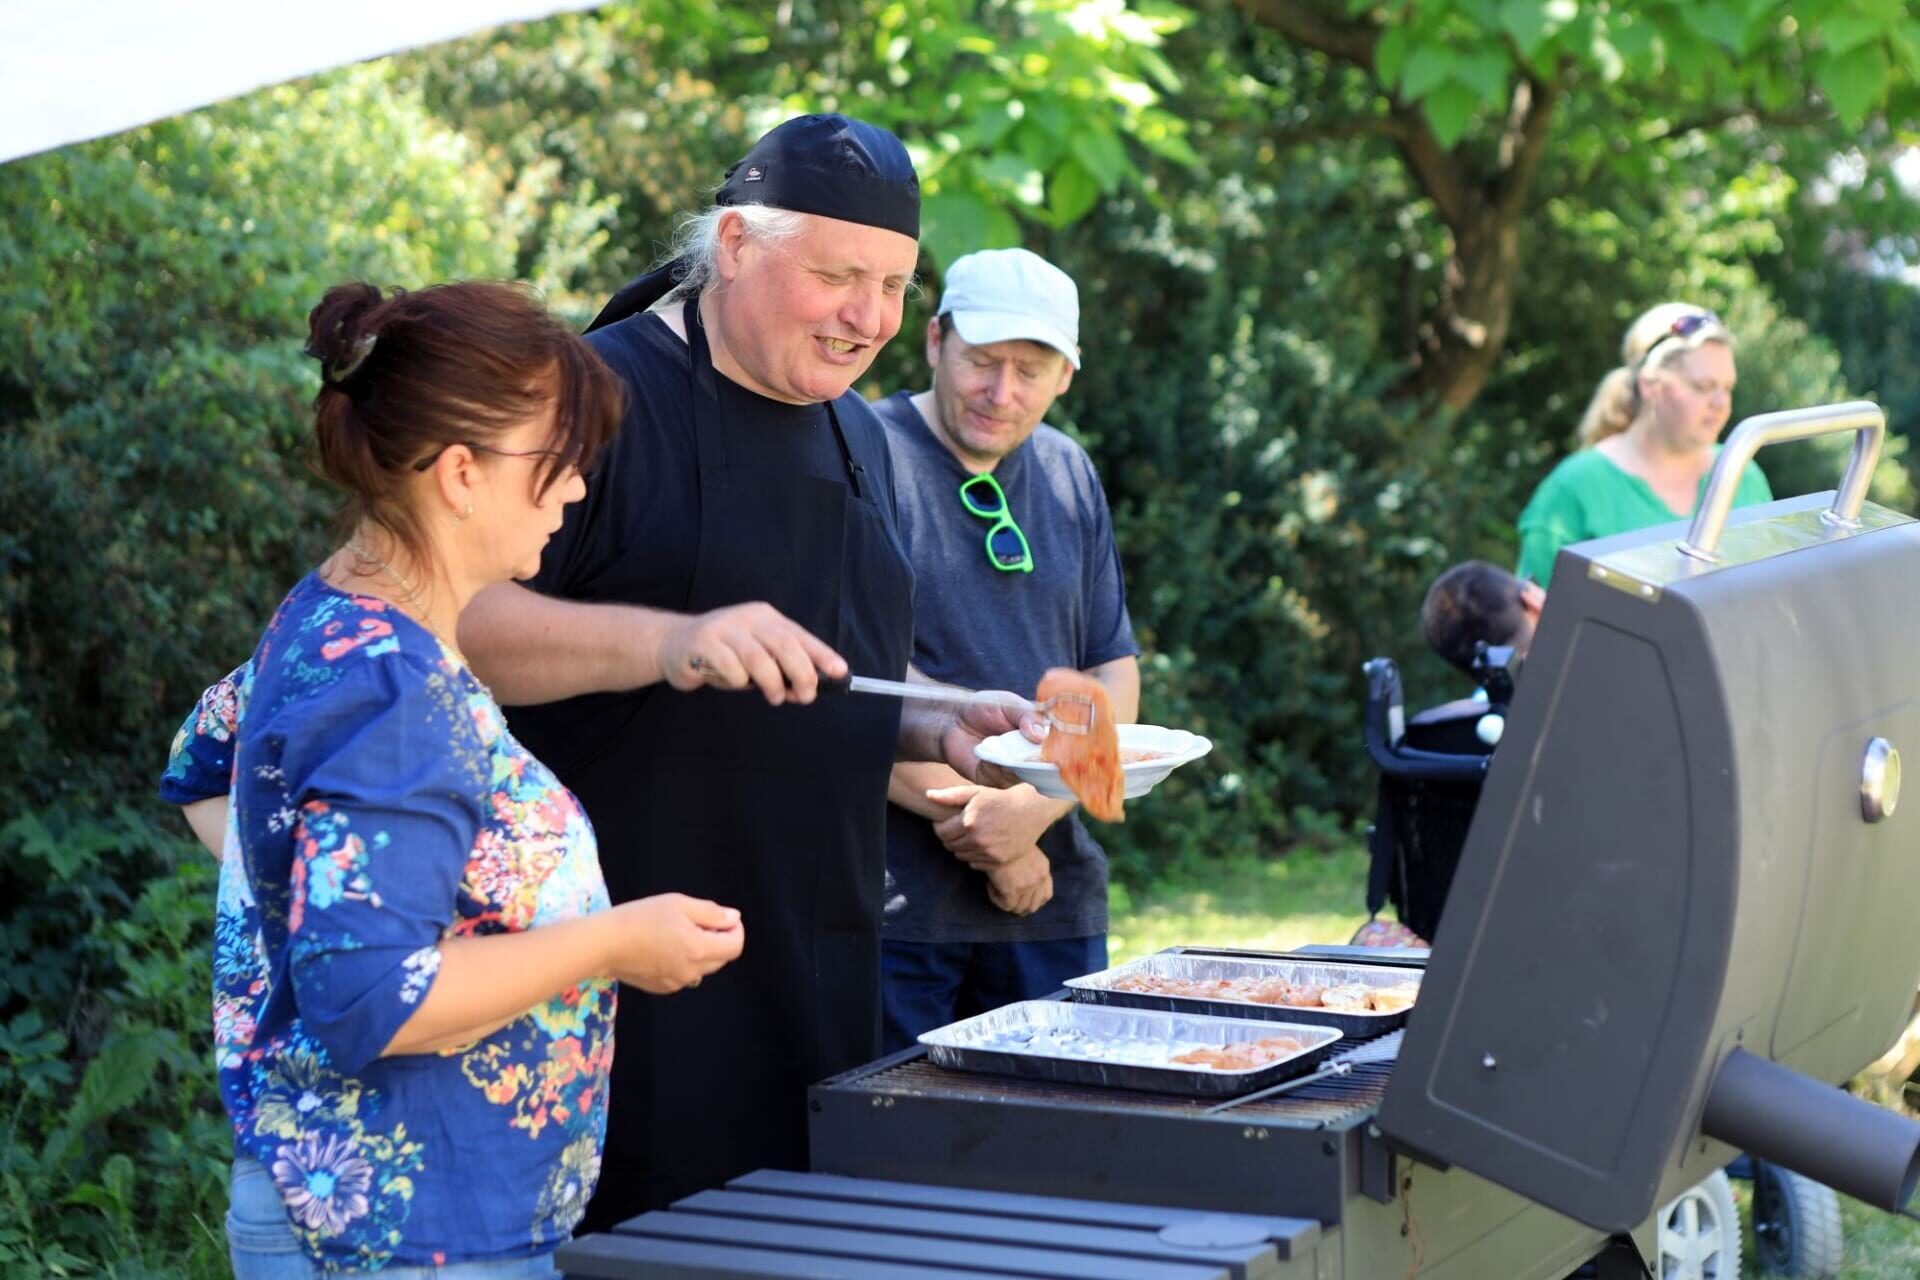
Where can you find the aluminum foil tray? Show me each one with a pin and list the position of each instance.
(1098, 988)
(1118, 1047)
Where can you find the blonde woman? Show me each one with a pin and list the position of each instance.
(1647, 441)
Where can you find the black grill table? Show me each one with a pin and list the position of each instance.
(779, 1224)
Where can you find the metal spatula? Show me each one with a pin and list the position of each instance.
(1067, 712)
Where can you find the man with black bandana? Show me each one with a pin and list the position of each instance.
(740, 534)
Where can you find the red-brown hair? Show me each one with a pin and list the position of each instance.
(406, 374)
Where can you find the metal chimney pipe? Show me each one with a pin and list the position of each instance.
(1761, 1107)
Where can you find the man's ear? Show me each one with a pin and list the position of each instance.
(730, 238)
(933, 342)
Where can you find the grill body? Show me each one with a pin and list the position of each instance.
(1669, 861)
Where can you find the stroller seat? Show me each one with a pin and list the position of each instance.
(1431, 770)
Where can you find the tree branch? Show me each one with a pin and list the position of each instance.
(1307, 24)
(1523, 143)
(1727, 115)
(1440, 172)
(1334, 130)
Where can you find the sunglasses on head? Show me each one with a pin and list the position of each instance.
(1684, 327)
(1007, 548)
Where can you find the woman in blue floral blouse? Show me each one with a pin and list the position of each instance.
(415, 963)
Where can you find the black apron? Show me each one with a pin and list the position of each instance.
(779, 811)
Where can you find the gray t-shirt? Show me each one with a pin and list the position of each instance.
(981, 627)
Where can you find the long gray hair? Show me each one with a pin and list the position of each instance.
(696, 242)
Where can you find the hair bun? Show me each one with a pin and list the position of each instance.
(341, 331)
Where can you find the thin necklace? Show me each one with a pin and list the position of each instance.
(408, 592)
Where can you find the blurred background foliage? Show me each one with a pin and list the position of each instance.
(1349, 273)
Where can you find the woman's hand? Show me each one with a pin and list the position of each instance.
(669, 942)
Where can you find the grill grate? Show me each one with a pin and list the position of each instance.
(1331, 1102)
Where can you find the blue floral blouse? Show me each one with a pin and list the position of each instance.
(379, 805)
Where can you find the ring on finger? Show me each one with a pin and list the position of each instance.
(697, 663)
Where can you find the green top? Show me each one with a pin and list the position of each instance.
(1589, 496)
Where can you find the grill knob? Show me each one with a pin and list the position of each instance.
(1879, 781)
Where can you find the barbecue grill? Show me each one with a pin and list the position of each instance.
(1679, 920)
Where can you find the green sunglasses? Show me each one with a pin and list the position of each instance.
(1007, 548)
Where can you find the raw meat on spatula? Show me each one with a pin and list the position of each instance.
(1089, 760)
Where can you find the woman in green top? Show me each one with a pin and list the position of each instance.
(1647, 441)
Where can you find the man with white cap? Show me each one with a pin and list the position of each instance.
(997, 895)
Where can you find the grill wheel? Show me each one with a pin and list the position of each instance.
(1700, 1232)
(1796, 1224)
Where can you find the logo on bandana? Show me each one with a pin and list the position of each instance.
(754, 174)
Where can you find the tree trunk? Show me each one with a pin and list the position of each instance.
(1460, 340)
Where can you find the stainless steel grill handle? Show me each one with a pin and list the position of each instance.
(1864, 418)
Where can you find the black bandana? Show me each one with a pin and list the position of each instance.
(834, 167)
(830, 165)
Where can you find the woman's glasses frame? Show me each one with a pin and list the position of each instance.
(982, 496)
(434, 457)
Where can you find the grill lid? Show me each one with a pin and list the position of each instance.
(1672, 860)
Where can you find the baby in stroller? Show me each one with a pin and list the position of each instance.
(1481, 619)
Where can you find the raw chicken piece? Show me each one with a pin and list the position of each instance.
(1089, 762)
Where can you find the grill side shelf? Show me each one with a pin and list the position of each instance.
(1294, 1156)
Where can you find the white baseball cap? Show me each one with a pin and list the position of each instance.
(1004, 295)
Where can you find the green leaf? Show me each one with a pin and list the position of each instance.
(1390, 56)
(1160, 69)
(93, 1195)
(1484, 12)
(991, 122)
(1527, 22)
(118, 1176)
(1639, 43)
(1853, 82)
(1012, 174)
(1429, 67)
(1606, 58)
(1847, 31)
(1485, 71)
(954, 223)
(1102, 155)
(1688, 55)
(1449, 110)
(1071, 192)
(117, 1076)
(1906, 42)
(1038, 147)
(1718, 22)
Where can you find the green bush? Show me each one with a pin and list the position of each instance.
(116, 1145)
(153, 425)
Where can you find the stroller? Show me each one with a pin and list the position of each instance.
(1431, 767)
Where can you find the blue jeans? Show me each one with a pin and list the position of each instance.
(924, 985)
(261, 1245)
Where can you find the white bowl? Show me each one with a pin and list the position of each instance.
(1016, 752)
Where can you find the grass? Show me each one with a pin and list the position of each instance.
(1878, 1245)
(1312, 896)
(1270, 903)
